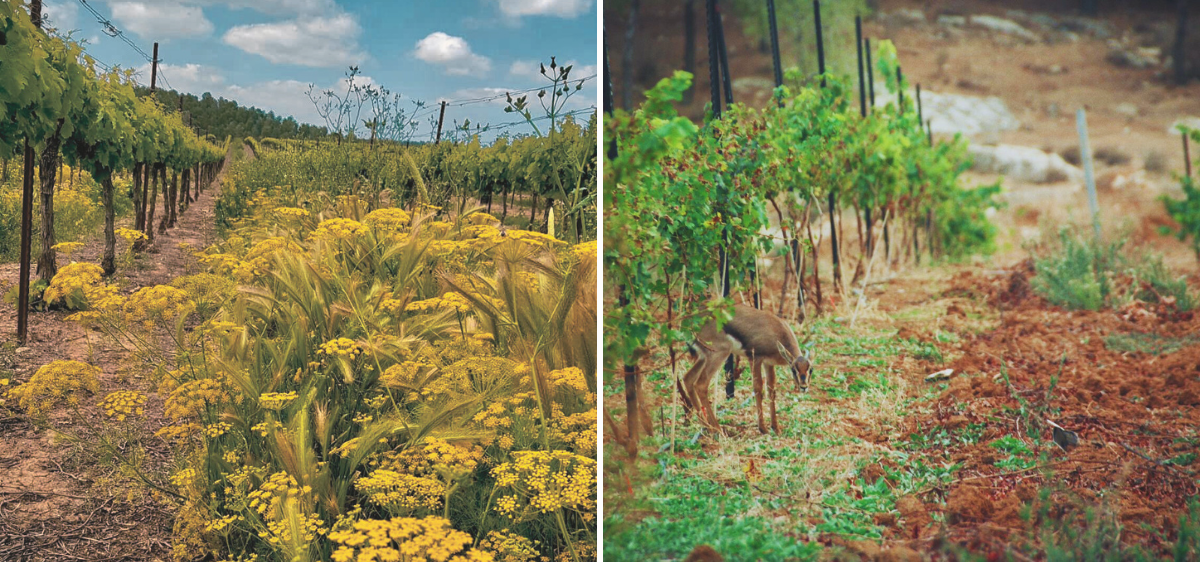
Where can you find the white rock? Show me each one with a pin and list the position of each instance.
(1006, 26)
(1023, 164)
(952, 21)
(972, 116)
(1127, 109)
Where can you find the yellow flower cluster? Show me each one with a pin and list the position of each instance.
(341, 347)
(158, 302)
(264, 428)
(184, 478)
(534, 238)
(577, 431)
(192, 398)
(545, 481)
(76, 284)
(276, 400)
(341, 229)
(179, 434)
(571, 377)
(268, 499)
(406, 539)
(448, 300)
(392, 306)
(397, 491)
(290, 212)
(388, 220)
(124, 403)
(206, 290)
(55, 382)
(585, 252)
(434, 458)
(482, 218)
(510, 547)
(130, 235)
(279, 531)
(67, 248)
(218, 429)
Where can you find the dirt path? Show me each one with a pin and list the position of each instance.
(57, 503)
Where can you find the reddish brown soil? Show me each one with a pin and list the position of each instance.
(1131, 412)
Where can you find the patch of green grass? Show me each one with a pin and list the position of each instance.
(1148, 343)
(1019, 455)
(692, 511)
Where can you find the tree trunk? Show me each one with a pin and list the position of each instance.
(47, 264)
(533, 210)
(504, 202)
(109, 261)
(137, 195)
(151, 202)
(627, 57)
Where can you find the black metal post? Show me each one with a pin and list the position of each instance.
(726, 82)
(714, 70)
(862, 80)
(870, 73)
(820, 41)
(1187, 156)
(777, 64)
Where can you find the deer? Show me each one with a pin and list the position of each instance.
(764, 339)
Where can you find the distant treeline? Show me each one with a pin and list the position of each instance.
(225, 118)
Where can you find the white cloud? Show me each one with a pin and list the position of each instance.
(276, 7)
(531, 70)
(284, 97)
(61, 15)
(161, 21)
(190, 78)
(557, 8)
(452, 53)
(312, 41)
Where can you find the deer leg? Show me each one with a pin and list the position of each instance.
(713, 364)
(688, 389)
(771, 378)
(758, 393)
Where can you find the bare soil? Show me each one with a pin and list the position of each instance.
(56, 501)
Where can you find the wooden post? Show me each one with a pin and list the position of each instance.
(35, 15)
(833, 237)
(920, 110)
(441, 117)
(26, 244)
(154, 70)
(1187, 157)
(900, 89)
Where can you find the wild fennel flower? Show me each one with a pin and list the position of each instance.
(341, 229)
(130, 235)
(388, 220)
(290, 212)
(55, 383)
(124, 403)
(75, 285)
(341, 347)
(546, 481)
(190, 399)
(276, 400)
(67, 248)
(406, 539)
(401, 492)
(158, 302)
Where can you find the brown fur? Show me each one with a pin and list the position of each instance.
(704, 553)
(764, 339)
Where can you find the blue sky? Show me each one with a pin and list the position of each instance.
(265, 53)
